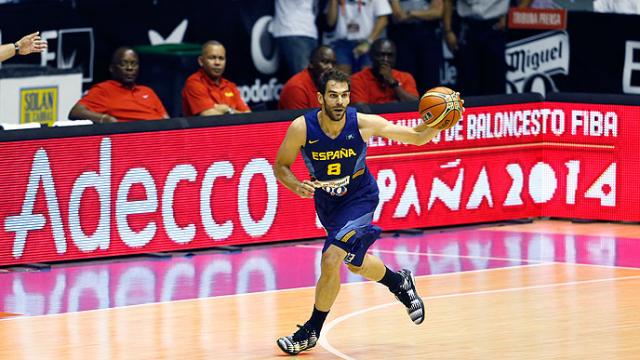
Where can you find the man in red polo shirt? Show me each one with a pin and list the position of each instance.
(206, 92)
(381, 83)
(120, 99)
(301, 91)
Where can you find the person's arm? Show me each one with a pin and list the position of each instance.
(378, 27)
(81, 112)
(402, 94)
(94, 105)
(398, 14)
(240, 106)
(158, 106)
(447, 23)
(197, 98)
(523, 4)
(7, 51)
(332, 13)
(376, 125)
(287, 154)
(28, 44)
(434, 12)
(405, 90)
(163, 112)
(217, 109)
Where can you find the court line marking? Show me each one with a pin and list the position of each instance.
(327, 328)
(26, 317)
(436, 254)
(597, 265)
(484, 258)
(528, 263)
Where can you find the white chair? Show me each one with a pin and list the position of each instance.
(31, 125)
(62, 123)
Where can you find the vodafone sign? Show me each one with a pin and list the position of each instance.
(94, 196)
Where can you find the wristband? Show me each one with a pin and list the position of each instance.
(16, 47)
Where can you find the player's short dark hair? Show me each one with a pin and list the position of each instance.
(335, 75)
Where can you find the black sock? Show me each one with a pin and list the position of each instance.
(317, 319)
(391, 279)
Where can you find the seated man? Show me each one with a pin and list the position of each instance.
(381, 83)
(301, 91)
(120, 99)
(206, 92)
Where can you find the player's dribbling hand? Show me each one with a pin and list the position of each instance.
(461, 102)
(305, 189)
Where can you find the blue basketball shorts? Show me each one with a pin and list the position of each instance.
(348, 224)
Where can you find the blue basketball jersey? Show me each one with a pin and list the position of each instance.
(337, 164)
(348, 193)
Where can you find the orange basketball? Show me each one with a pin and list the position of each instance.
(440, 108)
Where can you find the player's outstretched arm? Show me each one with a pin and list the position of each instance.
(376, 125)
(287, 154)
(28, 44)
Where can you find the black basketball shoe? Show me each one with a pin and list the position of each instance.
(408, 295)
(303, 339)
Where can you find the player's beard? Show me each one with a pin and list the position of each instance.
(331, 113)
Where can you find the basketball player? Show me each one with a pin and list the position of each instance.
(333, 142)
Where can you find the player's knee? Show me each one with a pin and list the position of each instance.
(356, 269)
(331, 260)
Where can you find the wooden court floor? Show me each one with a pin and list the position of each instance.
(535, 310)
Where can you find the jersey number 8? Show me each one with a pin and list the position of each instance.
(333, 169)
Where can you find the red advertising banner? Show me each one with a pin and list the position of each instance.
(84, 197)
(538, 19)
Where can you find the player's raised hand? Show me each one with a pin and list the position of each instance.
(31, 43)
(461, 100)
(305, 189)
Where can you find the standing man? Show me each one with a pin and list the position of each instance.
(381, 83)
(206, 92)
(120, 99)
(300, 92)
(28, 44)
(346, 196)
(418, 19)
(479, 46)
(296, 33)
(357, 24)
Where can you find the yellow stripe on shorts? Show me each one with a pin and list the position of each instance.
(348, 236)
